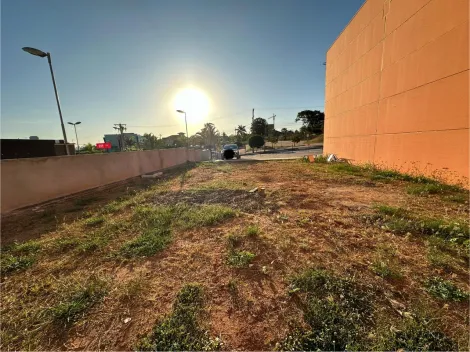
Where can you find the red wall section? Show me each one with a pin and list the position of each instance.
(397, 87)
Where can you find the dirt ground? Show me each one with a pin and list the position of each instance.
(308, 216)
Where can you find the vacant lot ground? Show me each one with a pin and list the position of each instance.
(327, 257)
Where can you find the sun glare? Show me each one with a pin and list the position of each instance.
(194, 102)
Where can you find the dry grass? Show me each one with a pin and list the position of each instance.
(111, 271)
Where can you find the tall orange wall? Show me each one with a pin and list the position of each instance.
(397, 87)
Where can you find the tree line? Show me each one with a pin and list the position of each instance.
(209, 137)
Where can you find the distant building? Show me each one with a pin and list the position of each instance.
(33, 148)
(170, 140)
(115, 139)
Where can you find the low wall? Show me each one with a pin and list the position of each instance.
(30, 181)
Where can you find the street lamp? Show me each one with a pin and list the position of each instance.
(187, 136)
(37, 52)
(75, 127)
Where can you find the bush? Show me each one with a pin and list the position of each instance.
(256, 141)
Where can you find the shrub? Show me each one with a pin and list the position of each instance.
(256, 141)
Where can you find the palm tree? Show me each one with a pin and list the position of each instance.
(209, 135)
(241, 131)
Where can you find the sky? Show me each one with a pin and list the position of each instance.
(125, 62)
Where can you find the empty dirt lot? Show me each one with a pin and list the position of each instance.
(327, 257)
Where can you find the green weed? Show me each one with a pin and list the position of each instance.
(444, 289)
(10, 263)
(183, 329)
(146, 244)
(92, 244)
(321, 159)
(240, 259)
(65, 243)
(28, 247)
(94, 221)
(337, 312)
(78, 300)
(132, 288)
(252, 231)
(112, 207)
(233, 240)
(415, 334)
(385, 263)
(186, 216)
(347, 168)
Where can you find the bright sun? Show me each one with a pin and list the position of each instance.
(194, 102)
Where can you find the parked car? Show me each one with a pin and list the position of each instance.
(230, 151)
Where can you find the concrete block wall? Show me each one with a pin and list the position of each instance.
(397, 87)
(26, 182)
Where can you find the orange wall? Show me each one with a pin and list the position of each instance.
(397, 87)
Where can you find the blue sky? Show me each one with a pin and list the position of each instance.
(124, 61)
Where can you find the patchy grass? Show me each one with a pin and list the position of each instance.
(78, 300)
(311, 214)
(183, 329)
(402, 221)
(154, 225)
(240, 259)
(446, 290)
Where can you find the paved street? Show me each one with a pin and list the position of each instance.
(279, 154)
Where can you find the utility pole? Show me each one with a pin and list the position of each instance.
(121, 127)
(252, 115)
(274, 119)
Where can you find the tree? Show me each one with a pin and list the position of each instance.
(89, 148)
(312, 120)
(150, 141)
(129, 142)
(296, 138)
(209, 135)
(273, 140)
(284, 133)
(256, 142)
(241, 131)
(259, 126)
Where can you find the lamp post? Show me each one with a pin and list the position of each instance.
(37, 52)
(76, 136)
(187, 136)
